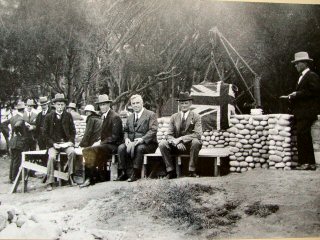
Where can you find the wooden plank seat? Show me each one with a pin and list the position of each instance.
(215, 153)
(29, 165)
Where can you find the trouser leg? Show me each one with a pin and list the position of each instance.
(52, 155)
(15, 163)
(304, 142)
(71, 159)
(165, 150)
(194, 153)
(140, 150)
(122, 156)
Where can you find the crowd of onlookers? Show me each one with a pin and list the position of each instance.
(130, 135)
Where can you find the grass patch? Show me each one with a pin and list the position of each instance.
(261, 210)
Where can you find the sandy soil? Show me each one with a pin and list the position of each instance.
(115, 209)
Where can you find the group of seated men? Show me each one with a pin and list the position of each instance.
(105, 135)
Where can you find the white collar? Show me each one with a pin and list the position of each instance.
(186, 114)
(302, 74)
(139, 113)
(106, 113)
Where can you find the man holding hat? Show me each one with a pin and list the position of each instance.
(60, 133)
(305, 106)
(17, 142)
(140, 138)
(110, 138)
(30, 116)
(44, 103)
(184, 136)
(72, 109)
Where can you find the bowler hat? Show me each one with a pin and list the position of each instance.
(20, 105)
(72, 105)
(30, 102)
(301, 56)
(103, 99)
(43, 101)
(184, 96)
(59, 97)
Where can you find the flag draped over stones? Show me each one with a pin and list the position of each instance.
(215, 103)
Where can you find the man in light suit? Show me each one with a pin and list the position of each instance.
(140, 138)
(184, 136)
(305, 106)
(110, 138)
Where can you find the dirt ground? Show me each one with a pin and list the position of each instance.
(231, 206)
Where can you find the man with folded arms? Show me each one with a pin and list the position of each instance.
(140, 138)
(110, 138)
(184, 136)
(60, 133)
(42, 142)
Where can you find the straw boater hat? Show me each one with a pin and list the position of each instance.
(30, 102)
(59, 97)
(184, 96)
(90, 108)
(43, 101)
(104, 98)
(301, 56)
(72, 105)
(20, 105)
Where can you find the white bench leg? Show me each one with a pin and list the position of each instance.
(113, 168)
(144, 167)
(178, 166)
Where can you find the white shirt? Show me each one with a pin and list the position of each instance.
(303, 73)
(105, 114)
(138, 115)
(186, 114)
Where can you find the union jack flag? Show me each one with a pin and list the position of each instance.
(214, 102)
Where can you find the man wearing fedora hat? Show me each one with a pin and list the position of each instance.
(17, 143)
(110, 138)
(72, 109)
(30, 116)
(184, 136)
(140, 138)
(41, 139)
(60, 133)
(305, 106)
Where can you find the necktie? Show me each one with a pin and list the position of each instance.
(29, 117)
(183, 123)
(136, 117)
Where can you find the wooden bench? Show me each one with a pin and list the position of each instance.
(29, 165)
(215, 153)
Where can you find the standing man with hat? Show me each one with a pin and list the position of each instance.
(140, 138)
(60, 133)
(72, 109)
(30, 116)
(110, 138)
(17, 142)
(184, 136)
(305, 106)
(42, 142)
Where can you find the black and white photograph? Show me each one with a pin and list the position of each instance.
(159, 119)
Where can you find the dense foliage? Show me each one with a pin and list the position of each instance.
(156, 48)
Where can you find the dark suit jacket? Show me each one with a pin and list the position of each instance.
(306, 104)
(112, 130)
(40, 123)
(92, 132)
(193, 127)
(146, 127)
(19, 133)
(67, 124)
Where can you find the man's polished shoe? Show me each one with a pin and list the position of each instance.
(49, 187)
(133, 178)
(122, 177)
(86, 183)
(171, 175)
(312, 167)
(303, 167)
(193, 174)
